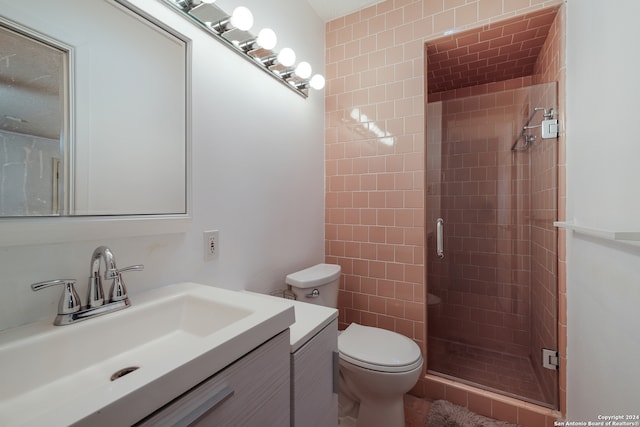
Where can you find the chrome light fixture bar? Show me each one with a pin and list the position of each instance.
(233, 31)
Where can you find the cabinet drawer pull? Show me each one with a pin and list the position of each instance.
(198, 409)
(336, 372)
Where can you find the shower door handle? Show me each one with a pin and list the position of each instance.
(440, 238)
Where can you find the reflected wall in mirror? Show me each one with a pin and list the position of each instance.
(32, 123)
(121, 127)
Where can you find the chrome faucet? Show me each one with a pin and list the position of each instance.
(118, 290)
(70, 309)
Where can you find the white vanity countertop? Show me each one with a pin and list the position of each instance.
(310, 319)
(177, 335)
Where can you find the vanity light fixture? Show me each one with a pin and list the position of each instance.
(317, 82)
(286, 74)
(233, 30)
(241, 18)
(287, 57)
(303, 70)
(266, 39)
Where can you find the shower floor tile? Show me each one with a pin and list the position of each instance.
(502, 373)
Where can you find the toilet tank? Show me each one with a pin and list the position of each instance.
(317, 285)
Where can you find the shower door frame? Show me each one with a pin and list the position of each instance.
(522, 226)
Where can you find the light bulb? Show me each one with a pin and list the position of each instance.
(267, 39)
(303, 70)
(241, 18)
(287, 57)
(317, 82)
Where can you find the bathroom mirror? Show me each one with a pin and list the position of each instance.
(93, 111)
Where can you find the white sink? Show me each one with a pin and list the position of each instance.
(175, 337)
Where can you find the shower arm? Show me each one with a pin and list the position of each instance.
(546, 114)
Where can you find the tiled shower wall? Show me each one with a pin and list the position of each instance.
(375, 121)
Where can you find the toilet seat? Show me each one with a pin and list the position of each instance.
(378, 349)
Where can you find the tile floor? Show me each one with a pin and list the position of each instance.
(511, 374)
(415, 411)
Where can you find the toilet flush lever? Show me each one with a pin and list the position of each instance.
(314, 294)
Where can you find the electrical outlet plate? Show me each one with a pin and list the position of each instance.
(211, 244)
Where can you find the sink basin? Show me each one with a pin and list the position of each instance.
(169, 340)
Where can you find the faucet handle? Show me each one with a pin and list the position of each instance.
(118, 289)
(111, 273)
(69, 301)
(137, 267)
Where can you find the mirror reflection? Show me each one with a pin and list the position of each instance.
(93, 111)
(31, 124)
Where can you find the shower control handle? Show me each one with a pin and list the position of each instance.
(440, 238)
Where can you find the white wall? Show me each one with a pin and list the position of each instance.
(257, 173)
(603, 173)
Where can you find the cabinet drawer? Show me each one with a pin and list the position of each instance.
(253, 391)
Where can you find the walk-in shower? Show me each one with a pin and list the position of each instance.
(491, 171)
(491, 245)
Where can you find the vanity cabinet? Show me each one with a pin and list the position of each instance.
(314, 366)
(314, 380)
(253, 391)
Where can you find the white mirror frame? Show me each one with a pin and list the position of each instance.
(20, 232)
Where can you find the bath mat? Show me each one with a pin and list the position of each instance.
(446, 414)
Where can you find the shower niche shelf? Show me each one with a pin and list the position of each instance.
(623, 236)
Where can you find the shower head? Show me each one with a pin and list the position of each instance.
(528, 139)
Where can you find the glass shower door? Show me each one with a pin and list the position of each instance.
(491, 246)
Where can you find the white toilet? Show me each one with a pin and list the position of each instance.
(377, 367)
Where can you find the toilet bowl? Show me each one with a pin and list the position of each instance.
(377, 366)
